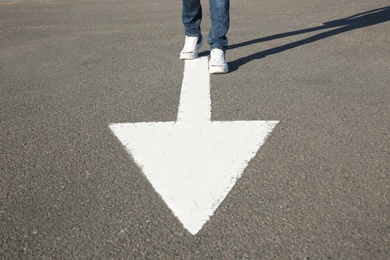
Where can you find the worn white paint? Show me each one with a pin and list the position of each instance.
(194, 162)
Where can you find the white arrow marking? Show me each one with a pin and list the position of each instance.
(194, 162)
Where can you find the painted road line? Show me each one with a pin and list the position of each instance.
(195, 102)
(194, 162)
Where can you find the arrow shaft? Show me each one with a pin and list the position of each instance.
(195, 102)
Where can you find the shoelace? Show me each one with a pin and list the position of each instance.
(190, 43)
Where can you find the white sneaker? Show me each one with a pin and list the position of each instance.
(217, 63)
(191, 46)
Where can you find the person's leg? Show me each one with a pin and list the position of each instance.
(219, 13)
(191, 17)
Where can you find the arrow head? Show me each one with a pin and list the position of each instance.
(193, 166)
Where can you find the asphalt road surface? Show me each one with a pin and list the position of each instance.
(319, 188)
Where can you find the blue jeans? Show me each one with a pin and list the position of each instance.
(219, 14)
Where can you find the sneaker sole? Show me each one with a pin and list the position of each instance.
(218, 70)
(188, 56)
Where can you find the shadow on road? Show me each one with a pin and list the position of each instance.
(353, 22)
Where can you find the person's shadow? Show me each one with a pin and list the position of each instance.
(353, 22)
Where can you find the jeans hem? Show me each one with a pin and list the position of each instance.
(193, 34)
(218, 47)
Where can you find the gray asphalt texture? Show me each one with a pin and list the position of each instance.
(319, 188)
